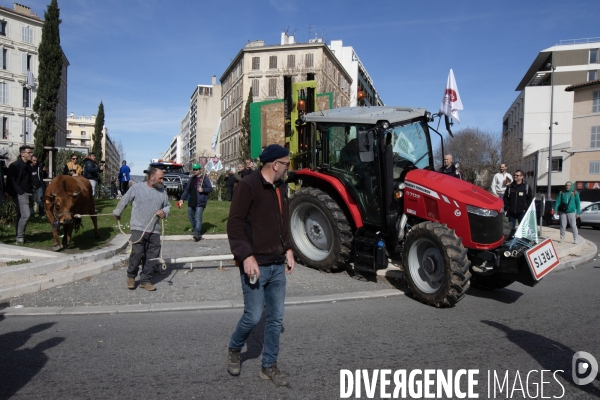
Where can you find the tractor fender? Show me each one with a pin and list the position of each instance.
(345, 196)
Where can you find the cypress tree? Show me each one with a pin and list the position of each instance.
(245, 130)
(49, 77)
(97, 137)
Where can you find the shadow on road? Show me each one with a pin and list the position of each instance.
(19, 365)
(550, 354)
(506, 296)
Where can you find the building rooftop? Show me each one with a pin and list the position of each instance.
(582, 85)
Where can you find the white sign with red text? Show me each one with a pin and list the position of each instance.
(542, 258)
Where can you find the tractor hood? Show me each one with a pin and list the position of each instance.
(449, 189)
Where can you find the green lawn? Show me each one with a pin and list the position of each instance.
(39, 231)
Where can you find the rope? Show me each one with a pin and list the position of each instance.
(161, 261)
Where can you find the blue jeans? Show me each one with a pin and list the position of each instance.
(515, 219)
(269, 291)
(37, 197)
(195, 217)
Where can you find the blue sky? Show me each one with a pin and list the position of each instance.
(144, 58)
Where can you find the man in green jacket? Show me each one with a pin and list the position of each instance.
(567, 205)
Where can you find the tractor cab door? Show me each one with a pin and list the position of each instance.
(352, 153)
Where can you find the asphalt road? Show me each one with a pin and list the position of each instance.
(180, 355)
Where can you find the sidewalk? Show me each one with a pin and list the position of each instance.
(97, 283)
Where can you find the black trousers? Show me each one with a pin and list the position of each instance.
(143, 252)
(124, 187)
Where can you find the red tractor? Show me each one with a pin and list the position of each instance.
(366, 193)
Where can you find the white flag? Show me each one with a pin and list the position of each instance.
(209, 165)
(218, 166)
(451, 101)
(528, 226)
(215, 139)
(30, 80)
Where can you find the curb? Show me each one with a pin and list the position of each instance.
(590, 252)
(198, 306)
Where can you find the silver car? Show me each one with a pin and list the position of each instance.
(590, 216)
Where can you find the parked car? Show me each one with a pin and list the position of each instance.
(548, 217)
(590, 216)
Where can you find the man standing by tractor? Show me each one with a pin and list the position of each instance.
(196, 193)
(258, 232)
(448, 168)
(501, 181)
(517, 198)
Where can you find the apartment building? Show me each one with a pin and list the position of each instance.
(175, 150)
(79, 137)
(184, 134)
(262, 68)
(20, 37)
(204, 118)
(543, 106)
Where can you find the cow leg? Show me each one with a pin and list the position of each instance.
(68, 230)
(56, 246)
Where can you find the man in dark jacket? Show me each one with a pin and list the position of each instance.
(20, 189)
(91, 171)
(258, 232)
(448, 168)
(38, 174)
(247, 169)
(196, 193)
(230, 184)
(517, 198)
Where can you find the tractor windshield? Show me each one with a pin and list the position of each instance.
(410, 146)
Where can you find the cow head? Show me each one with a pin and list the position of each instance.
(60, 205)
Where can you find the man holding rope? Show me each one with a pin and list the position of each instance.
(147, 198)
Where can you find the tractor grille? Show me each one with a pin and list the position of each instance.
(486, 230)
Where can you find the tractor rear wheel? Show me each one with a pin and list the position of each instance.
(436, 264)
(321, 234)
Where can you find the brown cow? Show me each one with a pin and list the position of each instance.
(65, 197)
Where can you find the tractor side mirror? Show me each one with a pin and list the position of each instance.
(365, 146)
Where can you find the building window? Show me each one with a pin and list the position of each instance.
(272, 87)
(505, 125)
(291, 61)
(309, 60)
(82, 133)
(592, 75)
(596, 102)
(255, 63)
(27, 127)
(594, 167)
(255, 87)
(4, 58)
(3, 92)
(3, 28)
(273, 62)
(557, 164)
(4, 128)
(27, 34)
(595, 142)
(594, 56)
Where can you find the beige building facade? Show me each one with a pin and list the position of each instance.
(261, 68)
(204, 119)
(20, 37)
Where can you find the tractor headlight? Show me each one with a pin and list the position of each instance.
(482, 211)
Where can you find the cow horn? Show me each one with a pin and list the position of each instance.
(75, 194)
(53, 194)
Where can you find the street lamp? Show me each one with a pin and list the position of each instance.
(552, 123)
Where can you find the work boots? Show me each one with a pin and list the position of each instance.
(274, 374)
(233, 361)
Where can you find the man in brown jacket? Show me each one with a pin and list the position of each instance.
(258, 232)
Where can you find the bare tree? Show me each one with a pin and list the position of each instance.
(480, 153)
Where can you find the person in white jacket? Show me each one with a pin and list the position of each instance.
(501, 181)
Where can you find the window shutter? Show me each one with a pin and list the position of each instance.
(24, 63)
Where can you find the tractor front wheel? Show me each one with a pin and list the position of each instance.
(321, 234)
(436, 264)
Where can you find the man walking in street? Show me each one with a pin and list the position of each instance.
(124, 177)
(37, 180)
(258, 232)
(448, 168)
(501, 181)
(196, 193)
(517, 198)
(149, 201)
(20, 189)
(91, 171)
(230, 183)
